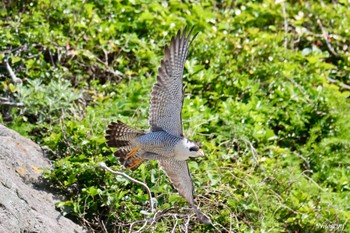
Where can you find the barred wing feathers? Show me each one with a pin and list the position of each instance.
(180, 176)
(167, 93)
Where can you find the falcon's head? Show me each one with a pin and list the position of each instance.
(186, 148)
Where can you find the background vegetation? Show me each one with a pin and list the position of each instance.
(267, 94)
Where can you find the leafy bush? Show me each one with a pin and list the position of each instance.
(267, 95)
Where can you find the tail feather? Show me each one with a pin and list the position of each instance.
(121, 154)
(119, 135)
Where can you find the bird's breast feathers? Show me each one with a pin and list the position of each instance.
(159, 142)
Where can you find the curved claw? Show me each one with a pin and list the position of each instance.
(134, 163)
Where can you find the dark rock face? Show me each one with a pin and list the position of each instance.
(24, 206)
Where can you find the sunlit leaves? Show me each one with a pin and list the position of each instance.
(268, 104)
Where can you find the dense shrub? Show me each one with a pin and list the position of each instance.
(267, 95)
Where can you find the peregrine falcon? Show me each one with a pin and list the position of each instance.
(165, 142)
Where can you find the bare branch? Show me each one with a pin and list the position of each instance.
(285, 24)
(326, 38)
(342, 85)
(175, 225)
(51, 58)
(314, 182)
(157, 216)
(141, 228)
(13, 76)
(103, 226)
(104, 166)
(12, 104)
(187, 224)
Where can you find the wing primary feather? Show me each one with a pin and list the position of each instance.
(171, 58)
(189, 42)
(183, 46)
(167, 94)
(179, 175)
(178, 54)
(194, 36)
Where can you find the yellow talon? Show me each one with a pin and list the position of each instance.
(132, 152)
(135, 163)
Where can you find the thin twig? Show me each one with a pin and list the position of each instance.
(325, 36)
(314, 182)
(303, 158)
(250, 187)
(12, 74)
(12, 104)
(187, 224)
(103, 226)
(158, 215)
(106, 57)
(342, 85)
(116, 73)
(285, 24)
(104, 166)
(139, 230)
(51, 58)
(175, 225)
(252, 149)
(300, 89)
(306, 31)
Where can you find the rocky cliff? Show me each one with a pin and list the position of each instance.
(25, 205)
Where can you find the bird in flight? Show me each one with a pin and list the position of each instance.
(165, 142)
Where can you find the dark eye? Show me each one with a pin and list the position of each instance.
(194, 148)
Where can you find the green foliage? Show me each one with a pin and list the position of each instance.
(267, 95)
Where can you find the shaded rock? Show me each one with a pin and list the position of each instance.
(24, 206)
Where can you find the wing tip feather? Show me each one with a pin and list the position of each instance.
(169, 86)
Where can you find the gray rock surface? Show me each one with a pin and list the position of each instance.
(24, 205)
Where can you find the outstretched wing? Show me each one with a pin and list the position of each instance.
(180, 176)
(167, 92)
(165, 112)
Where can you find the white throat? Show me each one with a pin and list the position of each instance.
(181, 150)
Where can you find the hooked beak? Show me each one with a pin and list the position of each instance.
(200, 153)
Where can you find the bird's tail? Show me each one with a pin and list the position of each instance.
(119, 135)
